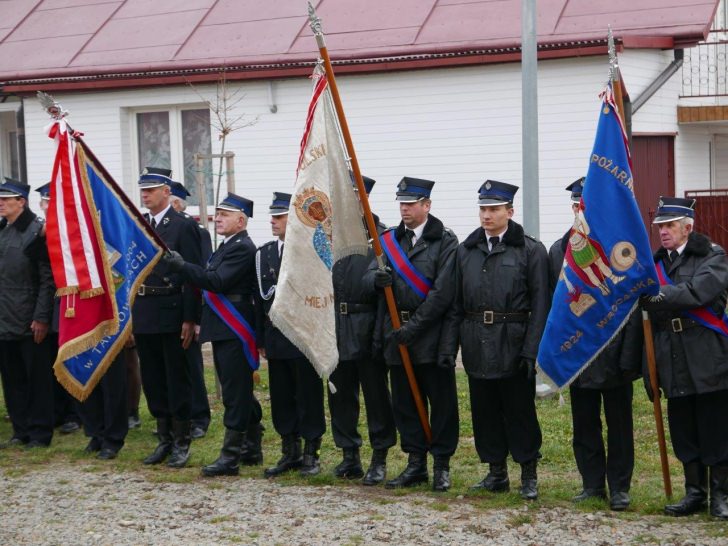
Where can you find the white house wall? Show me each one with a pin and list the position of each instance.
(456, 126)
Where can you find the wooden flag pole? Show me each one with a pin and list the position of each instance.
(617, 84)
(315, 23)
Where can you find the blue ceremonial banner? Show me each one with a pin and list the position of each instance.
(608, 262)
(130, 253)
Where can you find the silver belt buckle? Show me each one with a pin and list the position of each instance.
(404, 315)
(343, 308)
(677, 326)
(142, 290)
(487, 317)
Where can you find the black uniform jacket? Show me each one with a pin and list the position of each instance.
(26, 281)
(356, 306)
(165, 313)
(268, 267)
(621, 360)
(695, 360)
(433, 256)
(230, 272)
(512, 278)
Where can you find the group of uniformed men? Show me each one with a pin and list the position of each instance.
(487, 298)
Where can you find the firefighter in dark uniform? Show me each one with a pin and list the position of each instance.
(230, 275)
(607, 380)
(199, 404)
(65, 413)
(165, 312)
(356, 312)
(26, 306)
(501, 305)
(692, 359)
(430, 248)
(296, 390)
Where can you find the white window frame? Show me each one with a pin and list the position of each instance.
(176, 156)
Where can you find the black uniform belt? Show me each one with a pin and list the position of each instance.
(145, 290)
(232, 298)
(676, 325)
(492, 317)
(346, 308)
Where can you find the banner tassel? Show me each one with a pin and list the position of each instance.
(332, 388)
(70, 303)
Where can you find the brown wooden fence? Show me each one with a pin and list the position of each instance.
(711, 214)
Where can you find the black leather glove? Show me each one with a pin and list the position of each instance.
(446, 361)
(529, 366)
(383, 278)
(174, 260)
(403, 336)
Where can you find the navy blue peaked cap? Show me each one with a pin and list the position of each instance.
(674, 208)
(44, 191)
(411, 189)
(493, 193)
(576, 188)
(178, 190)
(236, 203)
(154, 177)
(14, 188)
(280, 204)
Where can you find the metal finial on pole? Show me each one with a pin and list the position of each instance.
(50, 105)
(315, 23)
(613, 62)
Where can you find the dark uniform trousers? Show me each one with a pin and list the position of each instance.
(64, 405)
(242, 409)
(371, 374)
(504, 416)
(695, 437)
(588, 443)
(199, 404)
(296, 398)
(165, 375)
(28, 383)
(437, 386)
(104, 412)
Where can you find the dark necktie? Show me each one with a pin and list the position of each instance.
(280, 252)
(154, 223)
(673, 256)
(493, 242)
(408, 236)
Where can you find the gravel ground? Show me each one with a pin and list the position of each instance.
(61, 505)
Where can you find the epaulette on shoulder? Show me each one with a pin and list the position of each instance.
(448, 231)
(531, 237)
(264, 245)
(39, 220)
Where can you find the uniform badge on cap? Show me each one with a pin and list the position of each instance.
(402, 185)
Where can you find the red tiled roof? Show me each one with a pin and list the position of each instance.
(67, 39)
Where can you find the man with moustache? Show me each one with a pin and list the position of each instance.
(164, 315)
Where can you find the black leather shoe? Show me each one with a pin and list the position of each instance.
(377, 471)
(719, 492)
(93, 446)
(619, 501)
(311, 452)
(529, 481)
(227, 464)
(497, 479)
(106, 454)
(696, 492)
(197, 432)
(414, 473)
(350, 467)
(164, 447)
(13, 442)
(440, 480)
(180, 453)
(69, 427)
(590, 493)
(292, 457)
(251, 453)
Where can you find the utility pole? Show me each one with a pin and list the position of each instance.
(529, 119)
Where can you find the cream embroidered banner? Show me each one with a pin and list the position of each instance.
(324, 225)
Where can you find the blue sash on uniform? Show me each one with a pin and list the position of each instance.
(702, 315)
(235, 321)
(402, 265)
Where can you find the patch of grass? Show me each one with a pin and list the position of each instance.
(221, 519)
(516, 520)
(559, 479)
(355, 540)
(440, 506)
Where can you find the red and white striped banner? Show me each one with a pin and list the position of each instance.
(75, 244)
